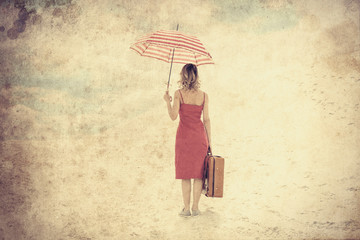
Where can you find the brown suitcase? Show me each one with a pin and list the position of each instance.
(213, 179)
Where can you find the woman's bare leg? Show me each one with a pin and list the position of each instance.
(197, 193)
(186, 191)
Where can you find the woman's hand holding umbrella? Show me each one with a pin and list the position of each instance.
(167, 97)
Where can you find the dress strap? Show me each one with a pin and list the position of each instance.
(204, 99)
(181, 96)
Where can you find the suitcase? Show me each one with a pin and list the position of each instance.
(213, 177)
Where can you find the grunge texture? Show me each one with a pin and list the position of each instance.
(87, 146)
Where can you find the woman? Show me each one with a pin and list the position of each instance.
(191, 141)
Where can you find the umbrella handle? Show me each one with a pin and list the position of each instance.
(170, 98)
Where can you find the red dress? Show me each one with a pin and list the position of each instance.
(191, 143)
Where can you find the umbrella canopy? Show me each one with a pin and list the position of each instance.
(173, 46)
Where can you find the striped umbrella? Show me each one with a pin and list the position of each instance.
(173, 47)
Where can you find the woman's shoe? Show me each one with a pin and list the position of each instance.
(184, 213)
(196, 213)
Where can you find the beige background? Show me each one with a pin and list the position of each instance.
(87, 147)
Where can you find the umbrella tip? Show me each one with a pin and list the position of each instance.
(177, 27)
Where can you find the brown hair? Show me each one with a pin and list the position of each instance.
(189, 77)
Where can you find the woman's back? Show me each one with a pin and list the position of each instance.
(192, 97)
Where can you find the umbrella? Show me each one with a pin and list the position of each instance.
(173, 47)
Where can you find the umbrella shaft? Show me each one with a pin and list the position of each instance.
(172, 58)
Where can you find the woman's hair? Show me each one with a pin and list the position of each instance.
(189, 77)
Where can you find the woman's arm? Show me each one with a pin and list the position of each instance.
(172, 110)
(206, 118)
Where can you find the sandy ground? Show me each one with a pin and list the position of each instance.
(94, 189)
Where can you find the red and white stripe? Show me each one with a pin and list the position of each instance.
(161, 44)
